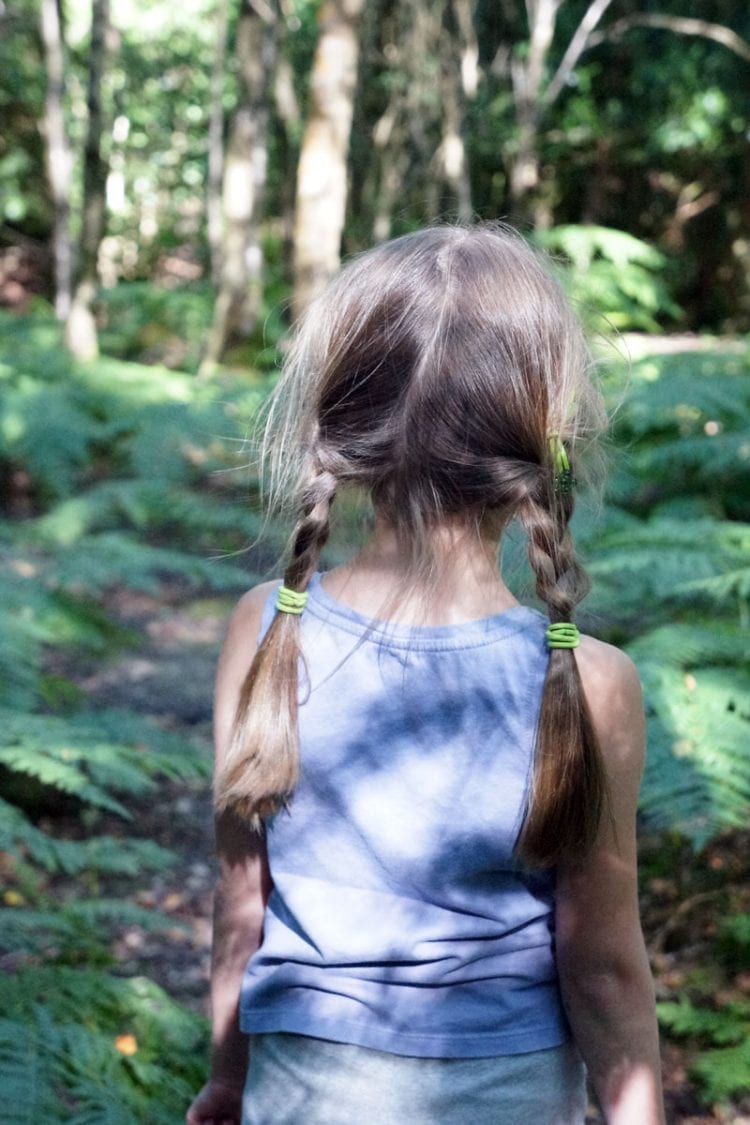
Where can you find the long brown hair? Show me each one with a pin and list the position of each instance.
(431, 373)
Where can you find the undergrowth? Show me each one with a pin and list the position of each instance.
(116, 477)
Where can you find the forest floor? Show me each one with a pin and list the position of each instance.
(170, 676)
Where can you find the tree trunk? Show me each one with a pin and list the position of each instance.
(528, 76)
(392, 162)
(216, 141)
(59, 156)
(451, 154)
(288, 116)
(80, 330)
(245, 167)
(533, 97)
(322, 170)
(380, 181)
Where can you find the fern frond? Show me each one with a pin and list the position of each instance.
(92, 756)
(101, 740)
(76, 924)
(96, 562)
(109, 855)
(48, 429)
(50, 768)
(613, 273)
(688, 463)
(72, 1021)
(718, 1025)
(697, 775)
(724, 1071)
(27, 1086)
(145, 505)
(679, 393)
(667, 562)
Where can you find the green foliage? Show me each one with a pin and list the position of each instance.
(95, 563)
(613, 274)
(153, 324)
(723, 1034)
(64, 1049)
(128, 480)
(685, 426)
(75, 931)
(671, 581)
(103, 854)
(137, 446)
(68, 425)
(735, 934)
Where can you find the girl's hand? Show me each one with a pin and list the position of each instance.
(218, 1103)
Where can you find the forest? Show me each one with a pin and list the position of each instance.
(176, 184)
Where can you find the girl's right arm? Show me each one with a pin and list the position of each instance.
(604, 972)
(242, 888)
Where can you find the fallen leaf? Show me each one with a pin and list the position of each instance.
(126, 1044)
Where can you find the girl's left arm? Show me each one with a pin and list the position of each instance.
(604, 970)
(242, 889)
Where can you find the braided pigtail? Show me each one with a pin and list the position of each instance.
(262, 763)
(568, 789)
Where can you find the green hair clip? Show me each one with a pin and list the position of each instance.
(563, 634)
(564, 479)
(290, 601)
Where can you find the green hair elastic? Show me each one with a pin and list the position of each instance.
(290, 601)
(564, 479)
(563, 634)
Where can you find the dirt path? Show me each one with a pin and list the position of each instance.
(170, 678)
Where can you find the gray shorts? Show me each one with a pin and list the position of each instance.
(296, 1080)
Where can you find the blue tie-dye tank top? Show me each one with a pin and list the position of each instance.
(399, 919)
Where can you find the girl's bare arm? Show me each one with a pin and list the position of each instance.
(242, 888)
(604, 972)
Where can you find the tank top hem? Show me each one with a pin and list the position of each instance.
(414, 1044)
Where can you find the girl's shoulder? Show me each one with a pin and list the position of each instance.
(245, 619)
(237, 652)
(612, 688)
(252, 603)
(604, 666)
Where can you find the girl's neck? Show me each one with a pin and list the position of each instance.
(464, 584)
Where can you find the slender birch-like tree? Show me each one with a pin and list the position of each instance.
(58, 153)
(245, 170)
(322, 170)
(80, 329)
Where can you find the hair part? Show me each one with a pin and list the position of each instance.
(430, 374)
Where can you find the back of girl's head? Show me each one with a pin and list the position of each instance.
(433, 373)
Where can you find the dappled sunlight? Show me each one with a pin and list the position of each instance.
(155, 166)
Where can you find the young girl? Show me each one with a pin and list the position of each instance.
(426, 792)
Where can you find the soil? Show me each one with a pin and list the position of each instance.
(170, 677)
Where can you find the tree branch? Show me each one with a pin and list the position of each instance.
(680, 25)
(581, 41)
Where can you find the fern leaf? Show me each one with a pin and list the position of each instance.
(95, 563)
(72, 1020)
(717, 1025)
(681, 392)
(697, 775)
(724, 1071)
(76, 924)
(106, 854)
(50, 767)
(27, 1087)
